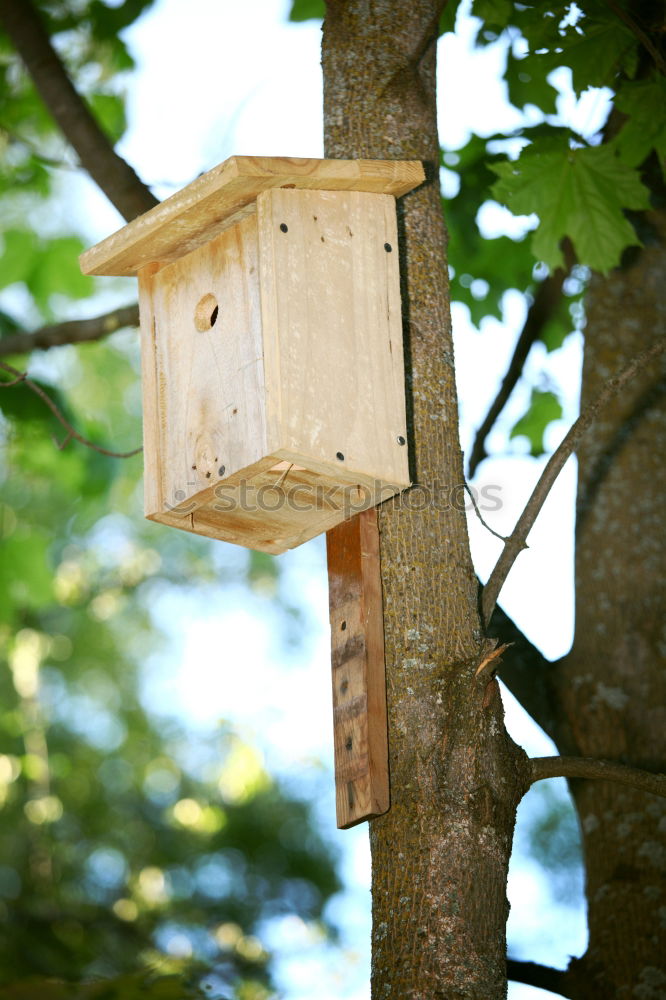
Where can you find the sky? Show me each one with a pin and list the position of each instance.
(217, 78)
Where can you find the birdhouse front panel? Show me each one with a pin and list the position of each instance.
(272, 352)
(202, 369)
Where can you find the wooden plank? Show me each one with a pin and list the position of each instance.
(228, 193)
(271, 506)
(153, 465)
(359, 685)
(330, 299)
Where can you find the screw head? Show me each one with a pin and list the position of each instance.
(400, 439)
(284, 228)
(220, 471)
(388, 247)
(340, 457)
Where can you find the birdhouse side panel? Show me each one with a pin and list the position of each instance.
(203, 370)
(333, 331)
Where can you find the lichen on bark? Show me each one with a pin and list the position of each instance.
(440, 856)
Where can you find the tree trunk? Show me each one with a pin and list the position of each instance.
(440, 856)
(611, 684)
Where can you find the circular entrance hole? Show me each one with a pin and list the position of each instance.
(206, 312)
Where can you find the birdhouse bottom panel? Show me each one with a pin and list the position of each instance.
(275, 505)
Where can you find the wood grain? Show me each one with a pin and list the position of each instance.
(273, 372)
(203, 381)
(330, 291)
(359, 687)
(226, 194)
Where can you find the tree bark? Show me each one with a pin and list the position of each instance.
(440, 856)
(611, 685)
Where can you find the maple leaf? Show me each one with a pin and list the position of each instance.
(576, 192)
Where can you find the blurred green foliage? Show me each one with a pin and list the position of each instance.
(126, 843)
(544, 408)
(137, 858)
(548, 832)
(586, 189)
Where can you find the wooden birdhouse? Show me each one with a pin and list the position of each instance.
(272, 357)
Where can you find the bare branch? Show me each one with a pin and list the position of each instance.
(602, 770)
(517, 540)
(114, 176)
(545, 302)
(22, 377)
(74, 331)
(541, 976)
(492, 531)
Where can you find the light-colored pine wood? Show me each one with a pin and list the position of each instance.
(272, 351)
(359, 686)
(203, 369)
(226, 194)
(266, 354)
(330, 291)
(271, 509)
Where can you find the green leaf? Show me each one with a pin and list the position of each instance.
(56, 271)
(540, 24)
(447, 19)
(495, 13)
(109, 110)
(597, 51)
(501, 263)
(527, 83)
(8, 324)
(579, 193)
(307, 10)
(645, 129)
(543, 409)
(18, 257)
(26, 576)
(554, 333)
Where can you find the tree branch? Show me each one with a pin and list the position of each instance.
(21, 377)
(541, 976)
(545, 302)
(74, 331)
(114, 176)
(517, 540)
(602, 770)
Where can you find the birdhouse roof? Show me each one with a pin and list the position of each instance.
(228, 193)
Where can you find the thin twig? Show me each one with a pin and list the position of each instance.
(546, 301)
(541, 976)
(517, 540)
(74, 331)
(641, 35)
(71, 432)
(602, 770)
(114, 176)
(492, 531)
